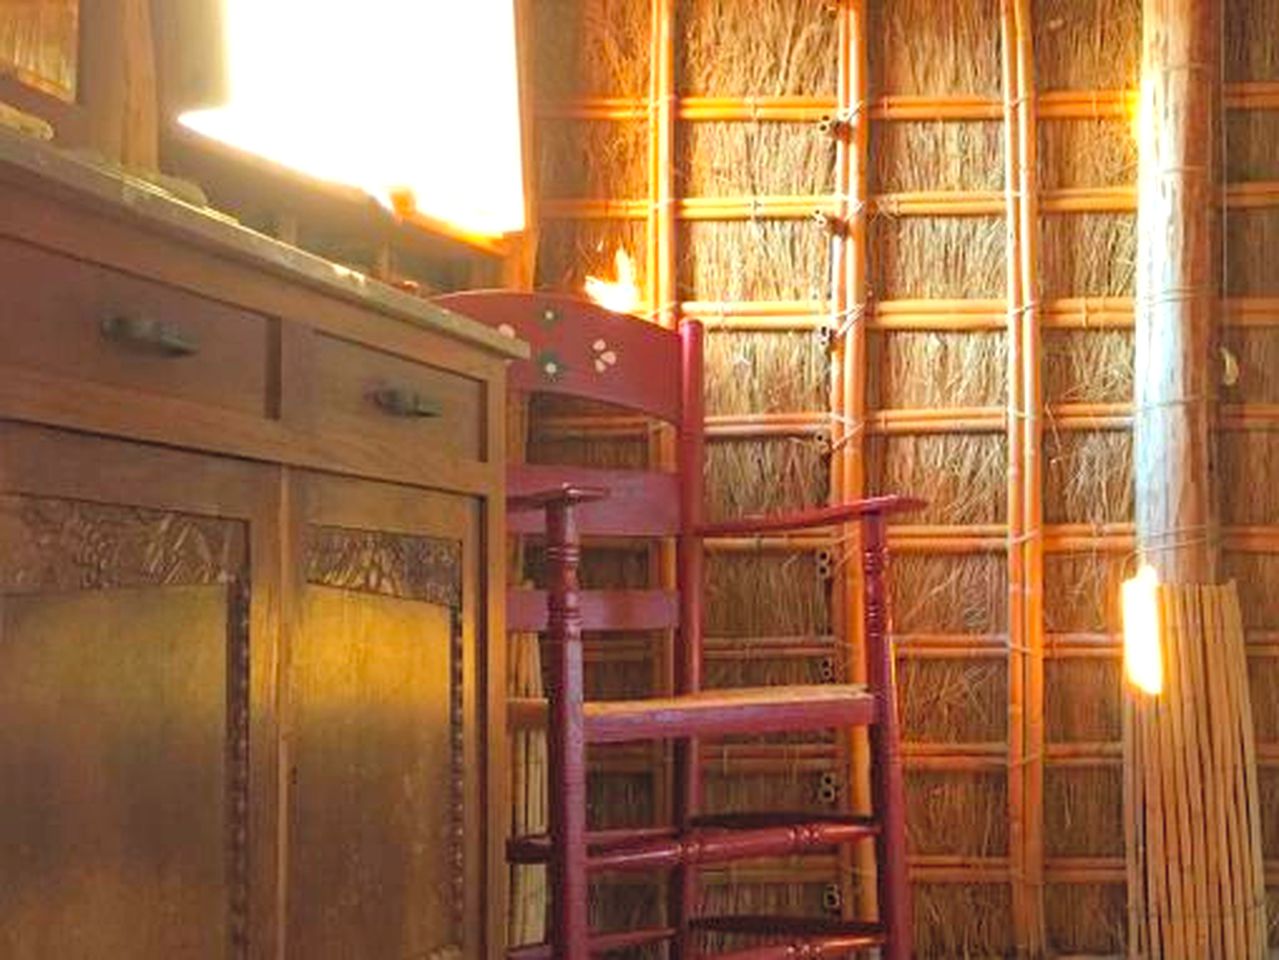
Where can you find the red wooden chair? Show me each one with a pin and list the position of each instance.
(582, 350)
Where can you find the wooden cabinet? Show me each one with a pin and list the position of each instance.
(249, 702)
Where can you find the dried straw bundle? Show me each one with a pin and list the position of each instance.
(618, 799)
(1085, 918)
(932, 369)
(1088, 477)
(963, 920)
(1088, 255)
(1084, 811)
(753, 159)
(1088, 366)
(1252, 236)
(1086, 153)
(964, 814)
(1087, 44)
(1251, 136)
(765, 373)
(730, 791)
(964, 700)
(591, 48)
(1083, 700)
(765, 595)
(1263, 680)
(944, 257)
(1245, 458)
(936, 155)
(569, 251)
(914, 50)
(756, 665)
(776, 475)
(1081, 592)
(962, 476)
(595, 159)
(752, 260)
(1254, 573)
(756, 47)
(1252, 40)
(940, 593)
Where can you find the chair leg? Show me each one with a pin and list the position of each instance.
(889, 795)
(570, 932)
(893, 883)
(682, 905)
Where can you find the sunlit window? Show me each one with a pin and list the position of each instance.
(414, 101)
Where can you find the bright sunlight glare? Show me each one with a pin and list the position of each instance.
(621, 295)
(1143, 654)
(403, 98)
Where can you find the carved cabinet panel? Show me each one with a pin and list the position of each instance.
(124, 635)
(377, 827)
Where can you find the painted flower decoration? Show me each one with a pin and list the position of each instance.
(507, 330)
(549, 362)
(604, 357)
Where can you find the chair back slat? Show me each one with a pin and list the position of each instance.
(602, 610)
(582, 350)
(640, 503)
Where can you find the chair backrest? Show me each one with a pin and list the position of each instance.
(579, 349)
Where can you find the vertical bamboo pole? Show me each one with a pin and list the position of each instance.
(1178, 288)
(851, 403)
(1032, 546)
(663, 300)
(1015, 488)
(841, 624)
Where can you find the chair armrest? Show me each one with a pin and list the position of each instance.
(820, 517)
(568, 494)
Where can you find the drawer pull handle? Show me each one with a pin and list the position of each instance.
(150, 335)
(406, 403)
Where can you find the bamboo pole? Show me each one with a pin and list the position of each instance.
(1021, 909)
(915, 203)
(1031, 202)
(851, 402)
(854, 753)
(959, 316)
(1054, 105)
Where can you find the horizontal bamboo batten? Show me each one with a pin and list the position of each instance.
(932, 868)
(918, 203)
(1261, 645)
(956, 316)
(1056, 105)
(902, 421)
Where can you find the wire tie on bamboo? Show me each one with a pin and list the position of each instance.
(1174, 296)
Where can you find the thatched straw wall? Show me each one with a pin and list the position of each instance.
(951, 602)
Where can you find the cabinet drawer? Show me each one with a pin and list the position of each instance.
(374, 396)
(73, 319)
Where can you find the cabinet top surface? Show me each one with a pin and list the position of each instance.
(35, 166)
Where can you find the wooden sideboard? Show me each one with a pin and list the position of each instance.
(251, 553)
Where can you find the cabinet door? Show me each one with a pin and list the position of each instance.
(384, 845)
(125, 593)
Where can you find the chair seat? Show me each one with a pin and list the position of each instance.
(754, 710)
(744, 710)
(793, 936)
(808, 937)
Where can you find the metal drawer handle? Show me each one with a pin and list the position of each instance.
(151, 335)
(406, 403)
